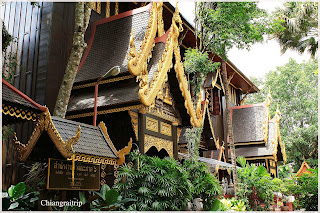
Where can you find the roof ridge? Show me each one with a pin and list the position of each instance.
(74, 122)
(18, 92)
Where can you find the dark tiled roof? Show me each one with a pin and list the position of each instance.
(154, 61)
(258, 150)
(107, 96)
(110, 45)
(247, 123)
(92, 141)
(112, 95)
(10, 96)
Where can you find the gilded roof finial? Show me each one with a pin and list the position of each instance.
(278, 114)
(269, 98)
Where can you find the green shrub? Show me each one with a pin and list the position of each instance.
(19, 197)
(308, 191)
(106, 199)
(205, 185)
(156, 184)
(254, 178)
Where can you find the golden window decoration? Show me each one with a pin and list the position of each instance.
(165, 129)
(158, 143)
(152, 124)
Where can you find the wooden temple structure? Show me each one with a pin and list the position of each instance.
(148, 103)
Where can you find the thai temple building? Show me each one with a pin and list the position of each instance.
(146, 104)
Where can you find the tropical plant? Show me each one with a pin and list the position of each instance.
(36, 177)
(228, 205)
(285, 171)
(300, 23)
(193, 136)
(205, 185)
(293, 87)
(19, 197)
(308, 190)
(197, 64)
(106, 199)
(155, 184)
(253, 179)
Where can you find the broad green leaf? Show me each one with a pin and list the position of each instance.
(82, 198)
(104, 190)
(13, 205)
(111, 197)
(18, 190)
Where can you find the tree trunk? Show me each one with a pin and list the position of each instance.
(82, 16)
(229, 125)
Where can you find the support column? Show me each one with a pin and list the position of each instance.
(175, 140)
(142, 127)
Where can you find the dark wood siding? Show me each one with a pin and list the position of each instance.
(22, 21)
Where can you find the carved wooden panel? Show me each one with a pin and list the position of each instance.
(152, 124)
(159, 143)
(165, 129)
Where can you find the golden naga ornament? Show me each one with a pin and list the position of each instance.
(267, 117)
(149, 90)
(138, 62)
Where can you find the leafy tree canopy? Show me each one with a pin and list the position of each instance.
(300, 23)
(294, 87)
(232, 24)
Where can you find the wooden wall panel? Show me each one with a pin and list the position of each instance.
(22, 22)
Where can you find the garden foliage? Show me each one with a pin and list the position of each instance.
(20, 197)
(254, 179)
(156, 184)
(307, 191)
(204, 184)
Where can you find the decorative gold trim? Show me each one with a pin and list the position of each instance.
(249, 143)
(178, 134)
(160, 19)
(108, 9)
(45, 123)
(211, 127)
(18, 112)
(138, 62)
(195, 114)
(116, 9)
(105, 111)
(165, 129)
(94, 159)
(138, 67)
(104, 82)
(160, 114)
(152, 124)
(159, 143)
(134, 122)
(104, 130)
(149, 90)
(277, 137)
(266, 117)
(124, 151)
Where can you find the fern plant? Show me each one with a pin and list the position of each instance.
(156, 184)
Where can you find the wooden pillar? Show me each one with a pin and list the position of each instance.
(175, 140)
(141, 130)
